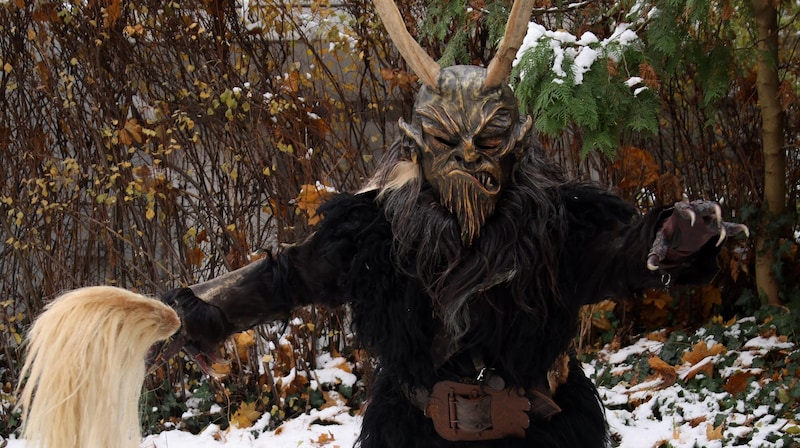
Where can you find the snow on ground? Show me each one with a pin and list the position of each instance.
(650, 403)
(340, 430)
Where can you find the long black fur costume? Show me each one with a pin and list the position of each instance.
(513, 297)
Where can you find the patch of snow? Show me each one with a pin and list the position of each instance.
(579, 54)
(639, 347)
(767, 344)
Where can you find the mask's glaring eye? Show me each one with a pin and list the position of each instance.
(441, 134)
(488, 144)
(447, 142)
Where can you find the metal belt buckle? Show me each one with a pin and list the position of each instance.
(469, 412)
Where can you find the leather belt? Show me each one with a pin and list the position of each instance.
(484, 411)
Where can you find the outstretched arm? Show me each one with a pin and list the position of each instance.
(613, 253)
(314, 271)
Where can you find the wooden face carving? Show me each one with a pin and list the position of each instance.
(468, 142)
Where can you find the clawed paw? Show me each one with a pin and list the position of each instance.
(687, 230)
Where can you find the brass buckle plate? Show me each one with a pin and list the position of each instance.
(468, 412)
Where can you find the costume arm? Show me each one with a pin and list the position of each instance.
(314, 271)
(608, 245)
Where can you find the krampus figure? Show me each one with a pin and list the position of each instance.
(466, 259)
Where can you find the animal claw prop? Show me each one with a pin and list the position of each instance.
(85, 367)
(681, 235)
(161, 353)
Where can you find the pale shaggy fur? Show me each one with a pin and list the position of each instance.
(85, 367)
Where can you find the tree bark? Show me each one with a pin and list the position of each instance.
(772, 133)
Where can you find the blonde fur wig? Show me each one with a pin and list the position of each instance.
(85, 367)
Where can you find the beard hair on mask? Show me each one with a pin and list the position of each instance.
(428, 243)
(469, 204)
(428, 246)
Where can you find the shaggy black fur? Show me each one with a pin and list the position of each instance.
(424, 305)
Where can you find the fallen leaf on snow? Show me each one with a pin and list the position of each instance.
(664, 370)
(701, 350)
(737, 383)
(713, 433)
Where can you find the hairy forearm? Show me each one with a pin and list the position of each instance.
(213, 310)
(249, 296)
(617, 260)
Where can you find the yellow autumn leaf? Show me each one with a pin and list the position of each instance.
(713, 433)
(324, 439)
(150, 214)
(601, 315)
(309, 199)
(343, 366)
(245, 416)
(243, 342)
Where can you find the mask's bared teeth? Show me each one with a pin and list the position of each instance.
(486, 180)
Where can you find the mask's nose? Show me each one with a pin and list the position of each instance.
(467, 154)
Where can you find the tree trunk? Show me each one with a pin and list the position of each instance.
(767, 83)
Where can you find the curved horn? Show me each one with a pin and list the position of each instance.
(420, 62)
(516, 28)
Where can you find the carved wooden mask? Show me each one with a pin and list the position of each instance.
(466, 122)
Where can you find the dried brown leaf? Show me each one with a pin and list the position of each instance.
(737, 383)
(330, 401)
(649, 75)
(195, 256)
(324, 439)
(694, 422)
(700, 351)
(667, 372)
(112, 12)
(706, 368)
(220, 370)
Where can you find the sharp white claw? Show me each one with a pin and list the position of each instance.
(737, 228)
(722, 235)
(650, 264)
(692, 217)
(718, 214)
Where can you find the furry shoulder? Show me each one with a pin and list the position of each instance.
(352, 214)
(589, 204)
